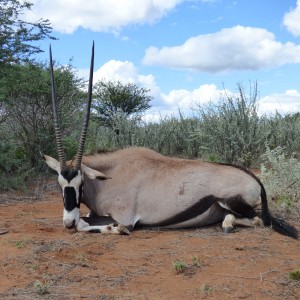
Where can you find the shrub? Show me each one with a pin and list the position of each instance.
(231, 130)
(179, 266)
(295, 275)
(14, 169)
(281, 177)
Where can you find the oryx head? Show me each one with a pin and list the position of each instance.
(70, 175)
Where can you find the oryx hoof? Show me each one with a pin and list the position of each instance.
(257, 221)
(123, 229)
(228, 230)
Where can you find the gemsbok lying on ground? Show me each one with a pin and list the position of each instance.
(142, 187)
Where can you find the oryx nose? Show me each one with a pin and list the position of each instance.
(70, 226)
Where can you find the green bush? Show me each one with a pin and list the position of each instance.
(284, 130)
(231, 130)
(171, 136)
(14, 168)
(281, 177)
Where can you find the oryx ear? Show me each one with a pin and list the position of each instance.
(52, 163)
(93, 174)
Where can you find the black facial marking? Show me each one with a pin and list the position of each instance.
(70, 201)
(80, 193)
(69, 174)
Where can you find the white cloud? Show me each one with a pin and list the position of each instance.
(288, 102)
(169, 104)
(292, 20)
(236, 48)
(164, 103)
(99, 15)
(185, 99)
(115, 70)
(126, 72)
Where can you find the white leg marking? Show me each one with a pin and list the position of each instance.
(104, 229)
(256, 221)
(231, 220)
(228, 223)
(71, 216)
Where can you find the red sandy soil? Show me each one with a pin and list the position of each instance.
(39, 259)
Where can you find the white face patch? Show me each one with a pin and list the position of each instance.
(75, 182)
(71, 218)
(71, 184)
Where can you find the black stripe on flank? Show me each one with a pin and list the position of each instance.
(190, 213)
(238, 206)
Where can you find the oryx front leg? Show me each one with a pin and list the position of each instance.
(104, 229)
(230, 220)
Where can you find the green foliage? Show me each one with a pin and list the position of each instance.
(169, 136)
(232, 129)
(17, 35)
(179, 266)
(281, 177)
(114, 101)
(41, 288)
(205, 289)
(20, 244)
(295, 275)
(172, 136)
(27, 102)
(284, 131)
(14, 169)
(27, 128)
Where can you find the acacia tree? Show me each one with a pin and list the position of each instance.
(114, 101)
(17, 35)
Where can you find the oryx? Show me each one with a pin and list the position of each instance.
(143, 187)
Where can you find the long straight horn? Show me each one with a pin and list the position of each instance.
(60, 149)
(87, 116)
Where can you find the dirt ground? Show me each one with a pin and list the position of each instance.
(39, 259)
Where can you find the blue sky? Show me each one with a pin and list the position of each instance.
(183, 51)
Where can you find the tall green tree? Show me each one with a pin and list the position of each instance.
(29, 122)
(115, 101)
(17, 35)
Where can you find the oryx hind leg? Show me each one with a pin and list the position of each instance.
(239, 213)
(230, 221)
(105, 225)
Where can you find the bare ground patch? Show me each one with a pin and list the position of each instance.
(39, 259)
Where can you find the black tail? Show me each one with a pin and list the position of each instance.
(278, 225)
